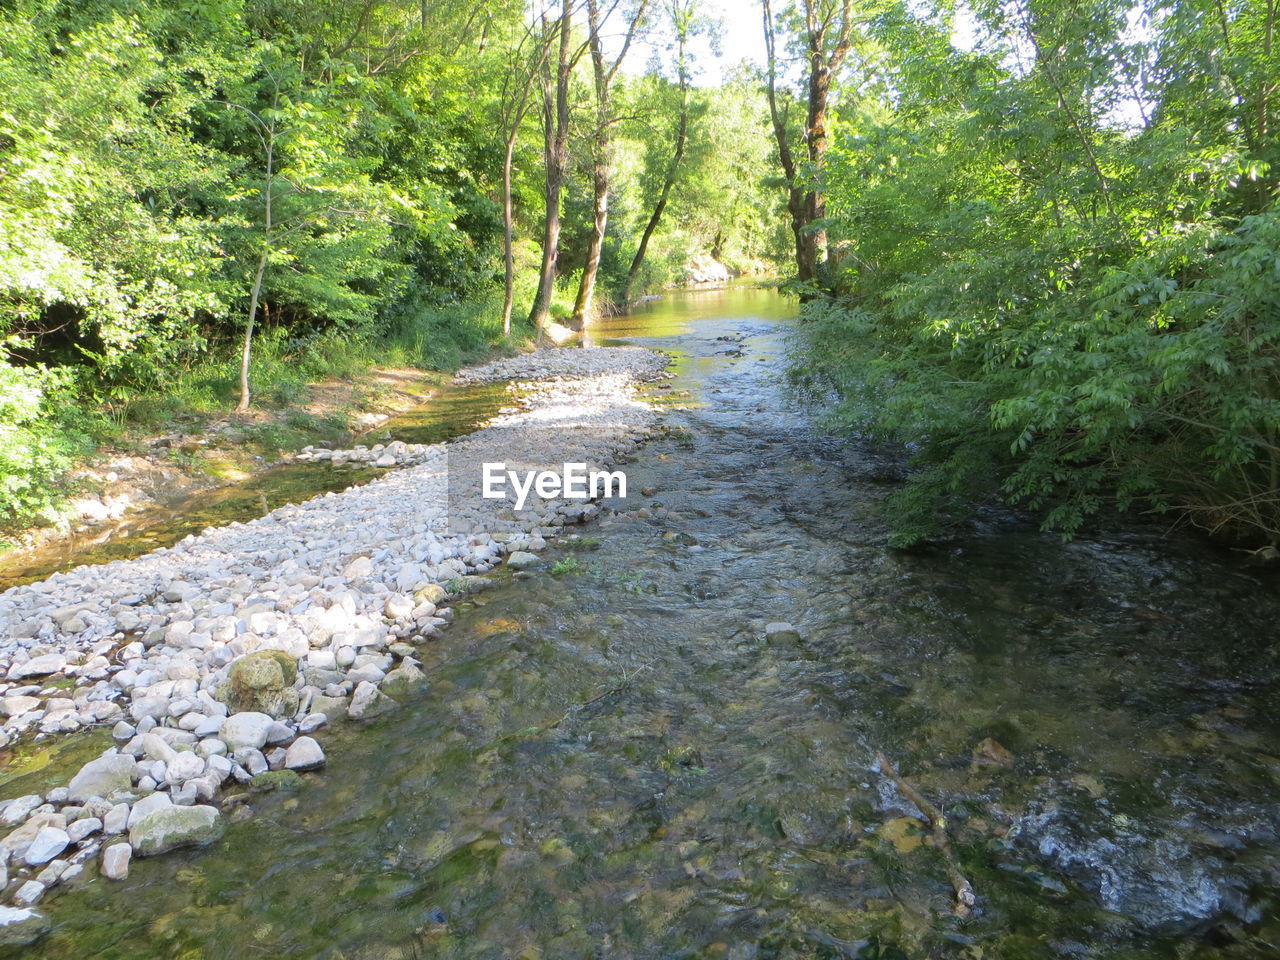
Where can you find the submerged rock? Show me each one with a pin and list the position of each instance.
(369, 702)
(115, 861)
(404, 681)
(781, 633)
(20, 926)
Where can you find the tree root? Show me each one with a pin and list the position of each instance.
(966, 899)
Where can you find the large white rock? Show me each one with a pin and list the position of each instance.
(146, 806)
(248, 729)
(47, 844)
(304, 754)
(38, 666)
(104, 776)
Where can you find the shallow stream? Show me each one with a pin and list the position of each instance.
(612, 762)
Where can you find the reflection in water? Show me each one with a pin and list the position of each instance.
(615, 763)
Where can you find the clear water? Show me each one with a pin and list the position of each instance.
(614, 763)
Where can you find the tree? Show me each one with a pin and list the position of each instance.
(826, 33)
(603, 73)
(681, 14)
(555, 117)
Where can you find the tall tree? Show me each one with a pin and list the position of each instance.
(603, 72)
(522, 74)
(825, 30)
(555, 111)
(681, 13)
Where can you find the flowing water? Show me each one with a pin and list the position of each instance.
(612, 762)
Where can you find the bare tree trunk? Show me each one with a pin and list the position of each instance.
(255, 293)
(556, 112)
(601, 173)
(681, 15)
(660, 207)
(508, 232)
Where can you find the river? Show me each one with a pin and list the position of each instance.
(613, 762)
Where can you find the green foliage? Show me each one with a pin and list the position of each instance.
(1058, 273)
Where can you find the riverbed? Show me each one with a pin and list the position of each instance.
(614, 762)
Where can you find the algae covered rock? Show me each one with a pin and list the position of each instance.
(404, 682)
(20, 926)
(430, 593)
(171, 827)
(262, 682)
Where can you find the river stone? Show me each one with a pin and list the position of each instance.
(116, 820)
(81, 828)
(248, 729)
(17, 810)
(45, 845)
(146, 806)
(171, 827)
(522, 558)
(185, 766)
(781, 633)
(20, 926)
(115, 861)
(369, 702)
(38, 666)
(404, 681)
(262, 682)
(304, 754)
(431, 593)
(103, 777)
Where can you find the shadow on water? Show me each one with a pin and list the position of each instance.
(615, 763)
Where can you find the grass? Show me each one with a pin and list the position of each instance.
(285, 370)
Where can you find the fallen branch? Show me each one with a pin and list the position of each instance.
(966, 900)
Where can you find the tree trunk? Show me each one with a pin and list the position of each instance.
(682, 18)
(660, 207)
(587, 286)
(805, 201)
(255, 293)
(508, 233)
(556, 110)
(602, 173)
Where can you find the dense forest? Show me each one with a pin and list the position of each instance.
(1037, 242)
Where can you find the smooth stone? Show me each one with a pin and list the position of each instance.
(147, 806)
(29, 893)
(368, 702)
(47, 844)
(781, 633)
(171, 827)
(116, 820)
(81, 828)
(521, 558)
(115, 861)
(248, 729)
(304, 754)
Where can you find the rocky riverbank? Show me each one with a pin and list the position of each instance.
(215, 661)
